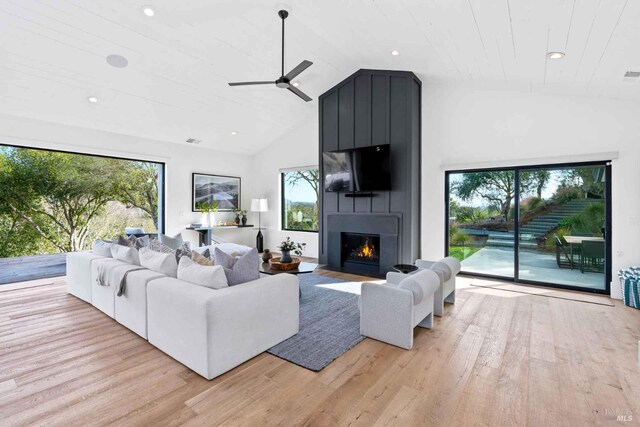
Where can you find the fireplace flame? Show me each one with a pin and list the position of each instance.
(366, 251)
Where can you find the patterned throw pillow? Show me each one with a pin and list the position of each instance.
(155, 245)
(183, 251)
(239, 270)
(202, 259)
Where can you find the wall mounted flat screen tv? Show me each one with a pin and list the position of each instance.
(357, 170)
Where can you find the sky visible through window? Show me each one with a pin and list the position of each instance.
(301, 192)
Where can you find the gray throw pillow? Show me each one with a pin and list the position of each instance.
(173, 242)
(125, 241)
(239, 270)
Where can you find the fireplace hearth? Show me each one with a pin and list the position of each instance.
(360, 251)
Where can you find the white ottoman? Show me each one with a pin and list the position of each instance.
(102, 297)
(79, 274)
(131, 307)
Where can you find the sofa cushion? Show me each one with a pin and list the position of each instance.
(159, 262)
(208, 276)
(239, 270)
(102, 247)
(173, 242)
(125, 254)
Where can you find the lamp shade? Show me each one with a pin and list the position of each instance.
(259, 205)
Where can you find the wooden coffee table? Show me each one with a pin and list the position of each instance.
(304, 267)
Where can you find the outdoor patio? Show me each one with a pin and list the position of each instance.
(21, 269)
(535, 266)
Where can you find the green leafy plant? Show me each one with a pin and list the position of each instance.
(590, 220)
(290, 245)
(207, 207)
(566, 194)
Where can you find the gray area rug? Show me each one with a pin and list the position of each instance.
(329, 325)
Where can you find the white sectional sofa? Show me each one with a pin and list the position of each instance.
(212, 331)
(209, 330)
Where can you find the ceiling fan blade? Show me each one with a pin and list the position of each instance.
(300, 68)
(300, 93)
(251, 83)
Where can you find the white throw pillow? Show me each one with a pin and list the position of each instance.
(156, 261)
(128, 255)
(208, 276)
(101, 248)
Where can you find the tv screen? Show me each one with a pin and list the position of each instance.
(357, 170)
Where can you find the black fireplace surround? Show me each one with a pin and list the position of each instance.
(349, 233)
(369, 108)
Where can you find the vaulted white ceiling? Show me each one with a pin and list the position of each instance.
(52, 57)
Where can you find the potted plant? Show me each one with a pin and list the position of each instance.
(237, 212)
(289, 246)
(243, 212)
(208, 209)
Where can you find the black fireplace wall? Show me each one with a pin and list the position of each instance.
(373, 107)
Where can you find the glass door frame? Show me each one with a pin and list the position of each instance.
(516, 253)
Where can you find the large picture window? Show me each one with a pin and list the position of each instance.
(300, 199)
(57, 202)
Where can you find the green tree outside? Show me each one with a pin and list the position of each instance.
(59, 202)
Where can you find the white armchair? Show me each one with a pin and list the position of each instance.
(447, 268)
(390, 311)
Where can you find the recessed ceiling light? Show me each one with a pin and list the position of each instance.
(555, 55)
(233, 132)
(296, 84)
(117, 61)
(92, 99)
(395, 53)
(147, 10)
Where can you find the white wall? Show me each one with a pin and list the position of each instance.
(297, 148)
(463, 127)
(181, 161)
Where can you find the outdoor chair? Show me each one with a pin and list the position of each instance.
(563, 257)
(592, 256)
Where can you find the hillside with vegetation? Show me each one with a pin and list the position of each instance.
(60, 202)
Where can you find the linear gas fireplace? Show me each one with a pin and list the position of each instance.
(360, 251)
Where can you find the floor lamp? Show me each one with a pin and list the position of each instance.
(259, 205)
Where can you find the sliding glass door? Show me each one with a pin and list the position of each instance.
(481, 226)
(540, 224)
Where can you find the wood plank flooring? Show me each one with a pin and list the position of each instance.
(494, 358)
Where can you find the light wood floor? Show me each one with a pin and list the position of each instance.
(495, 358)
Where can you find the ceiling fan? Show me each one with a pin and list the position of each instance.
(284, 81)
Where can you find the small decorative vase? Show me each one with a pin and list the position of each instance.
(244, 220)
(206, 220)
(212, 219)
(266, 255)
(286, 257)
(237, 219)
